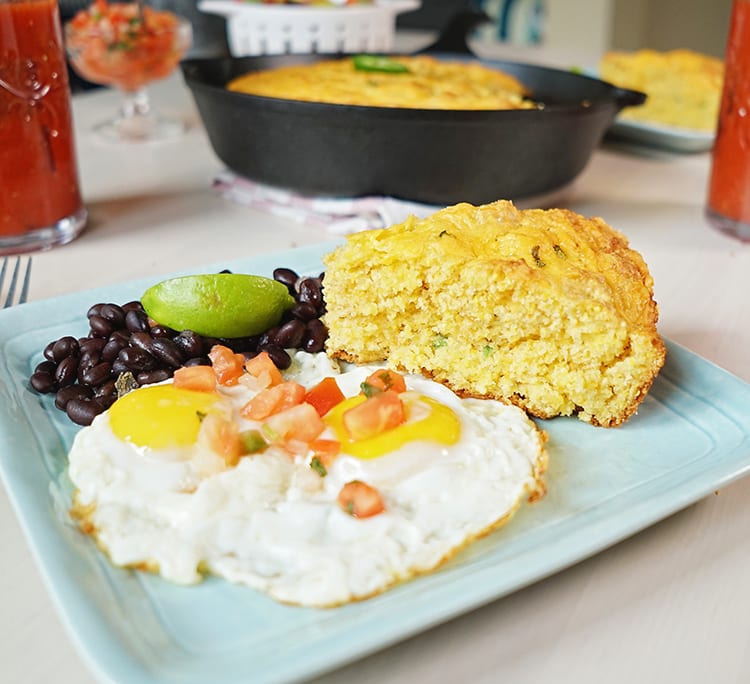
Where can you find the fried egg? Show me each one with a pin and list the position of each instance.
(155, 496)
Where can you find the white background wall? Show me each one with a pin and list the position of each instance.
(594, 26)
(667, 24)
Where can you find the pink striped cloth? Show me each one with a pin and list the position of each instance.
(336, 215)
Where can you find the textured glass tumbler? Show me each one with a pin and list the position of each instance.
(728, 207)
(40, 200)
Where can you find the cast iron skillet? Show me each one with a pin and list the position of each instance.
(433, 156)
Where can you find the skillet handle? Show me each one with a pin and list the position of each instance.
(628, 98)
(453, 36)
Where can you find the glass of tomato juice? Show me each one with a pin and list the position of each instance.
(40, 200)
(728, 207)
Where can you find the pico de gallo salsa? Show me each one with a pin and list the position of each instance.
(117, 44)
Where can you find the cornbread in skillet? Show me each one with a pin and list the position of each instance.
(428, 84)
(546, 309)
(683, 87)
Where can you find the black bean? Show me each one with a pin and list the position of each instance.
(94, 310)
(167, 352)
(97, 375)
(152, 376)
(43, 382)
(142, 340)
(46, 367)
(48, 351)
(118, 366)
(209, 342)
(136, 359)
(65, 394)
(135, 305)
(198, 361)
(112, 349)
(241, 344)
(189, 343)
(106, 400)
(159, 330)
(114, 314)
(100, 327)
(315, 336)
(92, 344)
(286, 276)
(310, 292)
(83, 411)
(66, 371)
(65, 346)
(84, 366)
(89, 359)
(106, 394)
(289, 334)
(280, 358)
(136, 321)
(265, 338)
(304, 311)
(122, 336)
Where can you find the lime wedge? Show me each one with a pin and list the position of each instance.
(218, 305)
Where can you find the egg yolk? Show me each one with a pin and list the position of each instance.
(160, 416)
(438, 424)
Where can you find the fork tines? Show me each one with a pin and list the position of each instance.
(10, 297)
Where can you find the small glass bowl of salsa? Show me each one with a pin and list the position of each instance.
(127, 47)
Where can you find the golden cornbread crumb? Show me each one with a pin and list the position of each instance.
(546, 309)
(683, 87)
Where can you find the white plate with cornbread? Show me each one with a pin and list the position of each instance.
(684, 93)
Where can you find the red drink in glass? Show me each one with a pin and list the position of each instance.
(40, 201)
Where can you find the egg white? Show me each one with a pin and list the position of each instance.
(273, 523)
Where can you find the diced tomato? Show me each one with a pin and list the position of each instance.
(262, 372)
(301, 423)
(222, 437)
(379, 413)
(198, 378)
(325, 450)
(297, 447)
(227, 365)
(382, 380)
(360, 500)
(273, 400)
(325, 395)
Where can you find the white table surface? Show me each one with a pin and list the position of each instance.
(668, 605)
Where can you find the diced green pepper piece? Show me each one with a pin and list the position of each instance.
(379, 63)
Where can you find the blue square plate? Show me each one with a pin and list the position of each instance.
(690, 437)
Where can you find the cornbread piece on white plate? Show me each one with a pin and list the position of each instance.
(542, 308)
(683, 86)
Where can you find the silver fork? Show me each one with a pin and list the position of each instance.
(10, 297)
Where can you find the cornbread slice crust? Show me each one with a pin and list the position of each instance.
(546, 309)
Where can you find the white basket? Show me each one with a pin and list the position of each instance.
(260, 29)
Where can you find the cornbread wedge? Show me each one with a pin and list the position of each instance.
(683, 87)
(548, 310)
